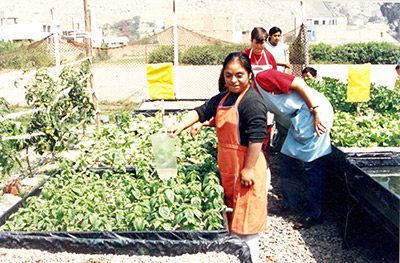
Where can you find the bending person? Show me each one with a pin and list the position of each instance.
(240, 117)
(310, 116)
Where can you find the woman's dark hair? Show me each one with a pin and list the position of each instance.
(273, 30)
(259, 34)
(244, 61)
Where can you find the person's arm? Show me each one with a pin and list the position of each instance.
(247, 173)
(287, 61)
(189, 119)
(303, 89)
(197, 127)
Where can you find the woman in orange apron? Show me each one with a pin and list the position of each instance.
(240, 117)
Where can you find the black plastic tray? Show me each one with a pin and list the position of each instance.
(152, 243)
(175, 109)
(381, 204)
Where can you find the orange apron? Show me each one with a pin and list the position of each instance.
(249, 204)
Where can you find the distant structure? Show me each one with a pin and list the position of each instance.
(336, 31)
(216, 25)
(10, 29)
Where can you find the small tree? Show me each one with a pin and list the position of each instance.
(62, 104)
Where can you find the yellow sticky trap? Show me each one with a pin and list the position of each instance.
(161, 81)
(359, 83)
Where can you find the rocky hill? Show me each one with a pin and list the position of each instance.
(248, 13)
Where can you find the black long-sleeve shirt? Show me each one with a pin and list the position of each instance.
(252, 114)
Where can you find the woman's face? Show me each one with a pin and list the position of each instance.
(275, 38)
(236, 77)
(257, 46)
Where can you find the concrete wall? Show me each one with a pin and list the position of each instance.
(384, 75)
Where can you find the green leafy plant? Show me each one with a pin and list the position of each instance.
(379, 122)
(10, 158)
(60, 105)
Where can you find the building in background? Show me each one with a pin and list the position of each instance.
(217, 26)
(11, 29)
(337, 31)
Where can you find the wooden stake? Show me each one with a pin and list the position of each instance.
(88, 42)
(358, 109)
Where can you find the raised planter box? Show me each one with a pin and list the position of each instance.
(150, 107)
(153, 243)
(361, 187)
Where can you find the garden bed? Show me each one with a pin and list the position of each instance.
(154, 243)
(360, 188)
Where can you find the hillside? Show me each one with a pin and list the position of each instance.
(248, 13)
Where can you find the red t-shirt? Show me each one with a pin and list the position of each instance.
(274, 81)
(260, 59)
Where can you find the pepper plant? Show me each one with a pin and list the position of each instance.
(10, 158)
(62, 104)
(82, 199)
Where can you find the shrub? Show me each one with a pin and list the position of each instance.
(101, 54)
(35, 57)
(354, 53)
(162, 55)
(197, 55)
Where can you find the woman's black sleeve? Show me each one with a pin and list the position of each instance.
(253, 117)
(208, 110)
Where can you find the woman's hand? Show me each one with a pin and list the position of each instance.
(196, 128)
(247, 177)
(319, 127)
(189, 119)
(174, 130)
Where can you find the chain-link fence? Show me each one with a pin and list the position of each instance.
(119, 73)
(298, 43)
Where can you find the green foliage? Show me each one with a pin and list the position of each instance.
(335, 91)
(162, 55)
(9, 149)
(320, 53)
(197, 55)
(371, 130)
(354, 53)
(79, 199)
(9, 45)
(101, 54)
(26, 58)
(60, 104)
(125, 27)
(379, 124)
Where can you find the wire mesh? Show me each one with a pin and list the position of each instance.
(119, 73)
(298, 47)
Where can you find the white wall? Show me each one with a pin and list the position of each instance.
(25, 31)
(380, 74)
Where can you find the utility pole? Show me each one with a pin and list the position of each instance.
(56, 41)
(88, 44)
(176, 59)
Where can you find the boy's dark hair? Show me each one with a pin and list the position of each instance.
(397, 67)
(273, 30)
(312, 71)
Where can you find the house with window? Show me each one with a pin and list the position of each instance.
(10, 29)
(337, 31)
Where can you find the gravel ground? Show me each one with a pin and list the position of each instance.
(280, 243)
